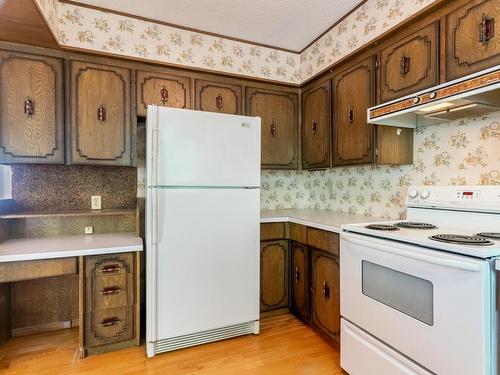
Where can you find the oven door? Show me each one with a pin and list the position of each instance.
(432, 306)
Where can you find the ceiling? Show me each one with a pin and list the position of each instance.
(288, 24)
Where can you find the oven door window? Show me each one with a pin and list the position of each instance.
(406, 293)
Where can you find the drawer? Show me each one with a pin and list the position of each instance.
(297, 232)
(323, 240)
(109, 291)
(36, 269)
(109, 326)
(112, 264)
(272, 231)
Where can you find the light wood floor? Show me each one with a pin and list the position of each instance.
(284, 346)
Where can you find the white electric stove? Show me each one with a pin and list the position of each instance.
(418, 295)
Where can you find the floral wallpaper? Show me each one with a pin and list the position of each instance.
(94, 30)
(457, 153)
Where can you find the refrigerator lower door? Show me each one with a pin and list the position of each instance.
(204, 268)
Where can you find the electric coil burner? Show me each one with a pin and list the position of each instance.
(493, 235)
(381, 227)
(415, 225)
(460, 239)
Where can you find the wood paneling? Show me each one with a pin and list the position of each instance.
(31, 109)
(272, 231)
(21, 22)
(36, 269)
(274, 275)
(354, 93)
(467, 51)
(326, 294)
(410, 64)
(212, 96)
(279, 123)
(100, 128)
(161, 89)
(316, 126)
(297, 232)
(300, 280)
(394, 145)
(323, 240)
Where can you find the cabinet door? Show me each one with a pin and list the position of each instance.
(300, 280)
(31, 109)
(279, 113)
(326, 294)
(163, 90)
(273, 275)
(410, 64)
(316, 127)
(354, 93)
(100, 131)
(472, 43)
(394, 145)
(218, 97)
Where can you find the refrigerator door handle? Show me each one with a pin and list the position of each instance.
(155, 157)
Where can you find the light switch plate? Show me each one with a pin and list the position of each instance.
(96, 202)
(89, 230)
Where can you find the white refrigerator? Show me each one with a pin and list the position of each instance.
(202, 227)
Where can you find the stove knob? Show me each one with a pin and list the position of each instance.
(424, 194)
(412, 193)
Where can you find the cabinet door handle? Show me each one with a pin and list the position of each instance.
(110, 290)
(108, 322)
(110, 268)
(101, 113)
(219, 102)
(314, 127)
(350, 114)
(164, 96)
(297, 275)
(486, 29)
(405, 65)
(326, 290)
(29, 107)
(274, 129)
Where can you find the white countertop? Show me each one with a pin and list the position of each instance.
(322, 219)
(18, 249)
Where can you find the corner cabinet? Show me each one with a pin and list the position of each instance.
(218, 97)
(472, 38)
(316, 126)
(100, 130)
(278, 111)
(353, 94)
(31, 109)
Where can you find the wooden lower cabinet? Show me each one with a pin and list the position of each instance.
(325, 296)
(300, 280)
(273, 275)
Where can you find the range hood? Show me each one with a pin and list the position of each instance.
(474, 95)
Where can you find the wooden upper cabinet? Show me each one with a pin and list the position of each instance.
(326, 294)
(300, 280)
(31, 109)
(279, 122)
(410, 64)
(218, 97)
(163, 90)
(472, 38)
(100, 129)
(316, 126)
(273, 275)
(354, 93)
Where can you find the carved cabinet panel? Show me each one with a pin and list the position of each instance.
(161, 89)
(218, 97)
(100, 130)
(273, 275)
(410, 64)
(31, 109)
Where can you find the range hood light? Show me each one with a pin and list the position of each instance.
(463, 107)
(436, 107)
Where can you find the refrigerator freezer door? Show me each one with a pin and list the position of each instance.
(194, 148)
(206, 260)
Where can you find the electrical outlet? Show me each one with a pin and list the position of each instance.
(89, 230)
(96, 202)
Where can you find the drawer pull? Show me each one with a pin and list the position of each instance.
(218, 102)
(405, 65)
(108, 322)
(164, 96)
(297, 275)
(110, 290)
(314, 127)
(29, 107)
(326, 291)
(486, 29)
(110, 268)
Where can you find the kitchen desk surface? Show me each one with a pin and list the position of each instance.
(322, 219)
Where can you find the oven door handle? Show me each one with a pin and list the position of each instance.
(451, 263)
